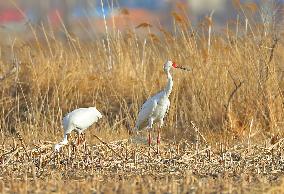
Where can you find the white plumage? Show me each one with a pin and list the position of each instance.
(78, 120)
(156, 107)
(153, 110)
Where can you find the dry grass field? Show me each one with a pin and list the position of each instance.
(224, 129)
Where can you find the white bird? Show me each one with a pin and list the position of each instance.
(78, 120)
(156, 107)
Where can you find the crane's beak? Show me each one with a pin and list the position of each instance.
(183, 68)
(180, 67)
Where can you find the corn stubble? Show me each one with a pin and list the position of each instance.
(223, 131)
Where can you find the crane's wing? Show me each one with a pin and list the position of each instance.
(145, 113)
(85, 117)
(81, 118)
(168, 108)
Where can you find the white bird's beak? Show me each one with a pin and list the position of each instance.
(183, 68)
(180, 67)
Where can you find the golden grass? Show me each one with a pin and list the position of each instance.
(232, 98)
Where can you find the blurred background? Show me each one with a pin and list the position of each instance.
(87, 18)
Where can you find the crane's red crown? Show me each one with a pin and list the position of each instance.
(175, 65)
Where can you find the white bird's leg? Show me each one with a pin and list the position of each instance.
(150, 126)
(78, 138)
(84, 140)
(159, 135)
(159, 131)
(149, 137)
(84, 137)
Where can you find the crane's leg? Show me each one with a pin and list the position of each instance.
(159, 135)
(150, 126)
(78, 138)
(68, 137)
(84, 140)
(149, 137)
(158, 141)
(84, 137)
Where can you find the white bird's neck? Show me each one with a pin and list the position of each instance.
(170, 84)
(65, 138)
(62, 143)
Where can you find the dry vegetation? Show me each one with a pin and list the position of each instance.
(223, 132)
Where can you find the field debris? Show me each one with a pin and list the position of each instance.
(179, 161)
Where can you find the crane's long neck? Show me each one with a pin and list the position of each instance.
(62, 143)
(170, 84)
(65, 139)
